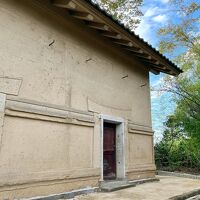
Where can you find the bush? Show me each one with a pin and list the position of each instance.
(178, 155)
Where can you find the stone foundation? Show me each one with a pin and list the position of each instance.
(46, 188)
(136, 175)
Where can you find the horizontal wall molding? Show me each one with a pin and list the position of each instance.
(139, 129)
(12, 179)
(60, 107)
(48, 118)
(47, 112)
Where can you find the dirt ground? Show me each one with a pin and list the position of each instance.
(164, 189)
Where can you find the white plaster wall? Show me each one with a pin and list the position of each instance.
(140, 147)
(33, 147)
(80, 71)
(60, 74)
(51, 146)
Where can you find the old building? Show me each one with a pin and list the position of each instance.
(74, 98)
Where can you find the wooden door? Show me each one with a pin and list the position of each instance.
(109, 151)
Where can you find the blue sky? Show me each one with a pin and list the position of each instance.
(156, 15)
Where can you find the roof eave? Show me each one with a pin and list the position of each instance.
(94, 17)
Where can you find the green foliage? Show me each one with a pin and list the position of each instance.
(180, 146)
(178, 154)
(183, 32)
(126, 11)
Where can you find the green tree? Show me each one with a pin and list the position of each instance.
(183, 31)
(126, 11)
(181, 39)
(184, 34)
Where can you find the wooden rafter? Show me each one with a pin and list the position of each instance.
(160, 68)
(64, 4)
(114, 35)
(96, 25)
(142, 55)
(82, 15)
(135, 49)
(154, 71)
(152, 61)
(123, 42)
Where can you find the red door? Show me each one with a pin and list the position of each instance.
(109, 153)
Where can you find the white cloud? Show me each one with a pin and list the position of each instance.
(164, 1)
(147, 28)
(144, 30)
(151, 11)
(160, 18)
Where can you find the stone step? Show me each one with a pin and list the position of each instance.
(114, 186)
(112, 182)
(110, 186)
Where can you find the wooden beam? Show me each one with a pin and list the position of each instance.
(159, 68)
(98, 26)
(152, 61)
(64, 4)
(82, 15)
(163, 71)
(154, 71)
(163, 66)
(111, 35)
(123, 42)
(142, 55)
(134, 49)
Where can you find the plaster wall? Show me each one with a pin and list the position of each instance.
(78, 70)
(58, 76)
(140, 147)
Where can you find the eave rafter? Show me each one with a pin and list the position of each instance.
(80, 10)
(113, 35)
(64, 4)
(82, 15)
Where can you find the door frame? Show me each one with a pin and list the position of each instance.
(120, 147)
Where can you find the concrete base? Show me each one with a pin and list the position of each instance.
(138, 175)
(110, 186)
(188, 195)
(66, 195)
(168, 187)
(47, 189)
